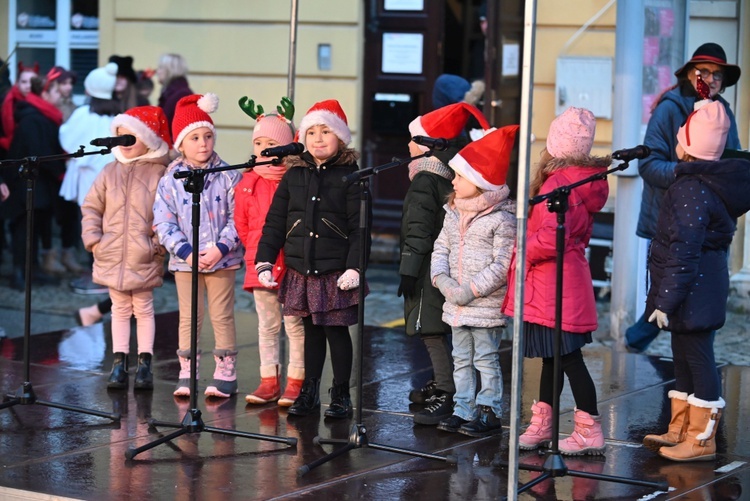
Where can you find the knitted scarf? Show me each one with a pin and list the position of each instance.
(270, 172)
(8, 109)
(430, 164)
(470, 208)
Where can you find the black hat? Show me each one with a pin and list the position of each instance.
(712, 53)
(124, 67)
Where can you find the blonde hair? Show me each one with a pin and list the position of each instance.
(174, 66)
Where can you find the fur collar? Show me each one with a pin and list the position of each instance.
(347, 156)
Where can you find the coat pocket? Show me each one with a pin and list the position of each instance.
(294, 225)
(335, 228)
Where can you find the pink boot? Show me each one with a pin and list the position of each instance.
(587, 437)
(539, 431)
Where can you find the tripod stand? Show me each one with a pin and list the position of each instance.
(25, 395)
(192, 422)
(554, 464)
(358, 433)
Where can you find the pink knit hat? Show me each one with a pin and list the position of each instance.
(704, 134)
(572, 133)
(276, 125)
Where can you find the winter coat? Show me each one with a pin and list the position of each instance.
(480, 255)
(314, 217)
(253, 196)
(688, 257)
(118, 216)
(83, 126)
(421, 223)
(578, 301)
(176, 89)
(173, 216)
(34, 135)
(657, 170)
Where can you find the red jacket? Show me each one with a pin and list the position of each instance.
(579, 303)
(253, 196)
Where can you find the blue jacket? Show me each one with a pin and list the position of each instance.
(688, 257)
(657, 170)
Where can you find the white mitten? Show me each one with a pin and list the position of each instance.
(661, 319)
(348, 280)
(265, 277)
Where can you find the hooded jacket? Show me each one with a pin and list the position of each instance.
(688, 257)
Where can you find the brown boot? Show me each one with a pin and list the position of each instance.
(70, 262)
(677, 426)
(699, 443)
(51, 262)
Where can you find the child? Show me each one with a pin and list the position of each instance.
(566, 160)
(470, 267)
(220, 251)
(421, 223)
(314, 217)
(117, 229)
(690, 279)
(254, 196)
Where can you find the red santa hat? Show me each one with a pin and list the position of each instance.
(148, 123)
(447, 122)
(485, 162)
(330, 113)
(192, 112)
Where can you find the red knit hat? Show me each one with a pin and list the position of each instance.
(191, 113)
(149, 123)
(330, 113)
(485, 162)
(447, 122)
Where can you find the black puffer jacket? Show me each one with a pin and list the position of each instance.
(314, 217)
(688, 258)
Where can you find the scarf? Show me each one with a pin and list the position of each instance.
(470, 208)
(270, 172)
(429, 164)
(9, 105)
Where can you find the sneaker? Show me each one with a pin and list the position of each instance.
(85, 285)
(424, 394)
(440, 408)
(452, 424)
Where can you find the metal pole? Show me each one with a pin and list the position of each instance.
(527, 80)
(292, 51)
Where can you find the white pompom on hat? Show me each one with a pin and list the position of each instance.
(329, 113)
(192, 112)
(100, 82)
(704, 134)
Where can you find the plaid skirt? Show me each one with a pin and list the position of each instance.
(539, 341)
(319, 297)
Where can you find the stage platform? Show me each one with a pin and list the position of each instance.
(49, 453)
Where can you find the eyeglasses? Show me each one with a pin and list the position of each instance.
(717, 76)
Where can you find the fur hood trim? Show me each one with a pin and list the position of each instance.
(347, 156)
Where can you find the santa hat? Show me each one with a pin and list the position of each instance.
(447, 122)
(571, 134)
(485, 162)
(330, 113)
(275, 125)
(100, 82)
(704, 134)
(192, 112)
(148, 123)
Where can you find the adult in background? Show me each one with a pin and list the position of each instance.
(65, 80)
(671, 110)
(172, 75)
(126, 91)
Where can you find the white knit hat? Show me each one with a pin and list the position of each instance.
(100, 82)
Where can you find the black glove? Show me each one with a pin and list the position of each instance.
(407, 287)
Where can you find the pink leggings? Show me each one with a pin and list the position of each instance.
(126, 304)
(269, 329)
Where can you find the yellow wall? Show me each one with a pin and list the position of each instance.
(4, 49)
(240, 48)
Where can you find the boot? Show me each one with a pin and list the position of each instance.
(677, 426)
(699, 443)
(183, 381)
(309, 398)
(341, 402)
(294, 379)
(539, 432)
(118, 378)
(587, 436)
(88, 315)
(484, 425)
(269, 389)
(51, 263)
(224, 384)
(70, 262)
(440, 408)
(144, 377)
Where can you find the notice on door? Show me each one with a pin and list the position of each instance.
(402, 53)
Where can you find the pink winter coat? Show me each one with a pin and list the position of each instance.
(579, 303)
(118, 216)
(253, 196)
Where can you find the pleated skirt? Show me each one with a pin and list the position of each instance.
(538, 341)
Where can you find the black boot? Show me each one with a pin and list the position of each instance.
(118, 378)
(341, 402)
(144, 378)
(484, 425)
(308, 399)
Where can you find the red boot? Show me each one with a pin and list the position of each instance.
(294, 379)
(269, 389)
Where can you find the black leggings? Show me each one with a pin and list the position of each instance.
(695, 369)
(315, 350)
(581, 384)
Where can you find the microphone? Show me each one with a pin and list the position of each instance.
(629, 154)
(439, 144)
(111, 142)
(283, 151)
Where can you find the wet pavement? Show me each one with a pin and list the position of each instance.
(47, 451)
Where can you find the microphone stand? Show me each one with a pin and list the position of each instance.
(25, 395)
(192, 422)
(554, 464)
(358, 433)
